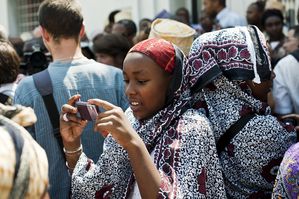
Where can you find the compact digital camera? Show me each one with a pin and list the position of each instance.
(87, 111)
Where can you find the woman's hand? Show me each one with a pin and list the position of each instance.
(114, 121)
(72, 129)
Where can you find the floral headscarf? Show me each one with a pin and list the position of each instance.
(178, 138)
(224, 60)
(23, 172)
(286, 184)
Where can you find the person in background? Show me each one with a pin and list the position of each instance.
(126, 28)
(206, 23)
(182, 15)
(254, 14)
(23, 163)
(111, 49)
(234, 76)
(286, 83)
(111, 21)
(9, 70)
(159, 148)
(272, 22)
(286, 183)
(225, 18)
(70, 73)
(144, 30)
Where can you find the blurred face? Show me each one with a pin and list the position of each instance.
(292, 43)
(260, 91)
(273, 26)
(252, 15)
(183, 16)
(119, 29)
(146, 85)
(105, 59)
(209, 7)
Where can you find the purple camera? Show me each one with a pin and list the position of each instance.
(87, 111)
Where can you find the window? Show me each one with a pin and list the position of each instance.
(27, 14)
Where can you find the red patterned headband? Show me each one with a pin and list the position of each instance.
(159, 50)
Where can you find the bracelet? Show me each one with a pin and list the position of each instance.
(67, 152)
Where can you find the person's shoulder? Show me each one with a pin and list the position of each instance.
(25, 88)
(286, 62)
(100, 68)
(195, 119)
(26, 84)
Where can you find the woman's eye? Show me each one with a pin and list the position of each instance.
(126, 81)
(142, 81)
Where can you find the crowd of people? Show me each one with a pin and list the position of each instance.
(165, 109)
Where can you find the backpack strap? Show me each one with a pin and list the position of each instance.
(233, 130)
(43, 84)
(296, 54)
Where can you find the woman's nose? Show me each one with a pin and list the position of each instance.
(130, 89)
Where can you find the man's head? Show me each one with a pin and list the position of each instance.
(272, 22)
(125, 27)
(292, 42)
(254, 12)
(9, 63)
(213, 7)
(61, 18)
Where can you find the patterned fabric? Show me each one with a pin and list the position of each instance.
(251, 159)
(287, 180)
(184, 153)
(32, 176)
(231, 52)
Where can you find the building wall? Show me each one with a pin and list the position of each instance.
(96, 11)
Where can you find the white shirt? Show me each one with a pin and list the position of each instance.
(286, 86)
(227, 18)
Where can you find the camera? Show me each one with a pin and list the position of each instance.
(87, 111)
(35, 57)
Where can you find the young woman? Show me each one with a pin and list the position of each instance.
(234, 71)
(164, 149)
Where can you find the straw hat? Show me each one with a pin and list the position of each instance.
(275, 4)
(176, 32)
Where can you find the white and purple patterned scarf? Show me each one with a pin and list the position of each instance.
(182, 145)
(224, 60)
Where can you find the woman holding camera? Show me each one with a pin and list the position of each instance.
(159, 148)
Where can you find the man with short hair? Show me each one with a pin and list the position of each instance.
(225, 18)
(286, 82)
(62, 27)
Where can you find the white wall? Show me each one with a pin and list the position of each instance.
(4, 14)
(96, 11)
(239, 6)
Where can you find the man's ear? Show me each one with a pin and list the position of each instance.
(45, 34)
(82, 31)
